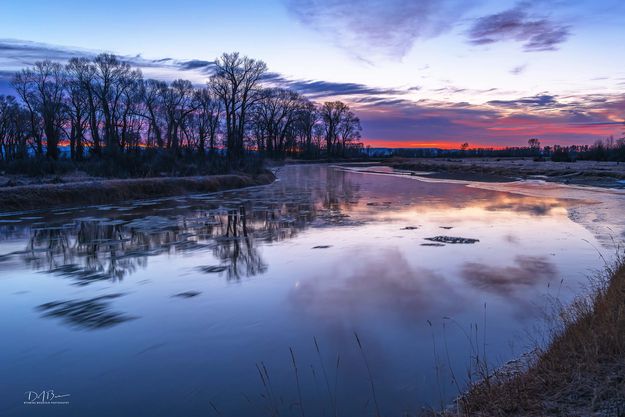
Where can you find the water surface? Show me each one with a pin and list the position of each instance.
(197, 305)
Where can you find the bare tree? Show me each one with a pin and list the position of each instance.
(209, 110)
(112, 78)
(104, 104)
(332, 113)
(152, 96)
(307, 119)
(237, 84)
(84, 72)
(178, 104)
(274, 116)
(13, 129)
(41, 88)
(534, 145)
(77, 93)
(349, 130)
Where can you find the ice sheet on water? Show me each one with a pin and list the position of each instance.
(149, 223)
(452, 239)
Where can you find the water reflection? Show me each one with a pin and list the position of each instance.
(94, 313)
(383, 282)
(536, 207)
(222, 281)
(528, 271)
(231, 225)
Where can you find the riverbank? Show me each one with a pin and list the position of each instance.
(104, 191)
(591, 173)
(580, 373)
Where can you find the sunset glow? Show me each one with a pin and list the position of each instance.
(419, 77)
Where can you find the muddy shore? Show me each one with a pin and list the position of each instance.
(590, 173)
(104, 191)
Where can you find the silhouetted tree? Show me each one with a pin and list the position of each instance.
(236, 83)
(102, 107)
(208, 117)
(332, 112)
(41, 88)
(111, 81)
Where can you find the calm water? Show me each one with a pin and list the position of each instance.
(170, 307)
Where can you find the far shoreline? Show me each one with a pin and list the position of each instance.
(586, 173)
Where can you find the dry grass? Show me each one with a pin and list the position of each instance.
(44, 196)
(582, 370)
(580, 172)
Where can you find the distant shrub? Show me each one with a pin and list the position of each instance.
(561, 155)
(136, 164)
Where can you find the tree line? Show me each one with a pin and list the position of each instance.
(610, 149)
(103, 107)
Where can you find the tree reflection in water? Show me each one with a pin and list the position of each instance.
(231, 225)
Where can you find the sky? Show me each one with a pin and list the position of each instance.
(426, 73)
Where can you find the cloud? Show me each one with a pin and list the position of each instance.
(519, 69)
(17, 54)
(537, 101)
(28, 52)
(528, 271)
(386, 27)
(384, 281)
(197, 64)
(555, 120)
(319, 89)
(537, 34)
(388, 115)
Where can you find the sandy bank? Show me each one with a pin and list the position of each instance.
(105, 191)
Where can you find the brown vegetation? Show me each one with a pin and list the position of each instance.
(581, 371)
(43, 196)
(580, 172)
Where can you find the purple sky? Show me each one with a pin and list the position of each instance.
(419, 73)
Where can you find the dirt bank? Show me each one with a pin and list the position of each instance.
(105, 191)
(580, 373)
(595, 173)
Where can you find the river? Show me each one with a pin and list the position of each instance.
(248, 302)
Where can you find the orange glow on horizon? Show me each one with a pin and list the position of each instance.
(378, 143)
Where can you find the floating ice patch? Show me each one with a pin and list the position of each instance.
(187, 294)
(212, 269)
(151, 223)
(451, 239)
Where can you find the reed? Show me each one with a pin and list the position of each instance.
(299, 389)
(580, 370)
(372, 385)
